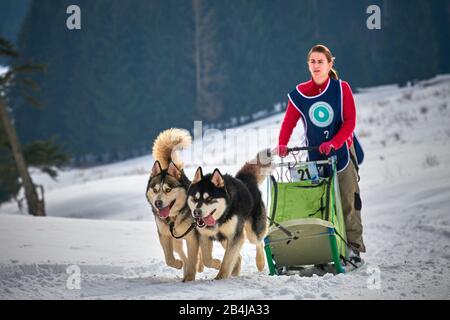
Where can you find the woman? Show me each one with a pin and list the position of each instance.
(327, 109)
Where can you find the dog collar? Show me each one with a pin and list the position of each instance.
(172, 226)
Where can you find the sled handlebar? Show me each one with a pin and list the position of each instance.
(294, 149)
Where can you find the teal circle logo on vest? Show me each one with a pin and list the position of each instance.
(321, 114)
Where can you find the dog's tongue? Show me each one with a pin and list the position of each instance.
(164, 212)
(209, 220)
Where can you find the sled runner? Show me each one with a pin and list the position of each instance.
(307, 229)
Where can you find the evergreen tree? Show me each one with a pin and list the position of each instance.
(14, 160)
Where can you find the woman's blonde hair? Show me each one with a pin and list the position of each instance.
(322, 49)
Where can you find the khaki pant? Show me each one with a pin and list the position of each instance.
(351, 204)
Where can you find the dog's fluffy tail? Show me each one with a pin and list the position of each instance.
(166, 145)
(257, 168)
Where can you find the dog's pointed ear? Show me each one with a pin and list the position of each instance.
(217, 179)
(173, 171)
(198, 175)
(156, 169)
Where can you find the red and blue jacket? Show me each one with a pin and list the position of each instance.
(328, 113)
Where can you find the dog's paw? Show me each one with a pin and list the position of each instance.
(200, 267)
(177, 264)
(221, 276)
(189, 277)
(260, 265)
(213, 263)
(216, 264)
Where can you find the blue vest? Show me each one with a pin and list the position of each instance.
(322, 117)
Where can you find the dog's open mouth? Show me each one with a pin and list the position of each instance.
(206, 221)
(164, 212)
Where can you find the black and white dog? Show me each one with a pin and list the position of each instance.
(230, 209)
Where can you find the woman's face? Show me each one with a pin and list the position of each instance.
(319, 65)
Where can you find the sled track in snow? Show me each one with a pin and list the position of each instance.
(57, 281)
(50, 281)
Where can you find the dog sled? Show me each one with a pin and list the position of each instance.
(307, 232)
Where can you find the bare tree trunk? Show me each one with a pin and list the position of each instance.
(35, 205)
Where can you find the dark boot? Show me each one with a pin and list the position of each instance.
(354, 256)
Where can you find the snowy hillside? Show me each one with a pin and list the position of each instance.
(99, 220)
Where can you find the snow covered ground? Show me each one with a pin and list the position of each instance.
(100, 242)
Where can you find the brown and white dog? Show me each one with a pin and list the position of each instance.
(167, 193)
